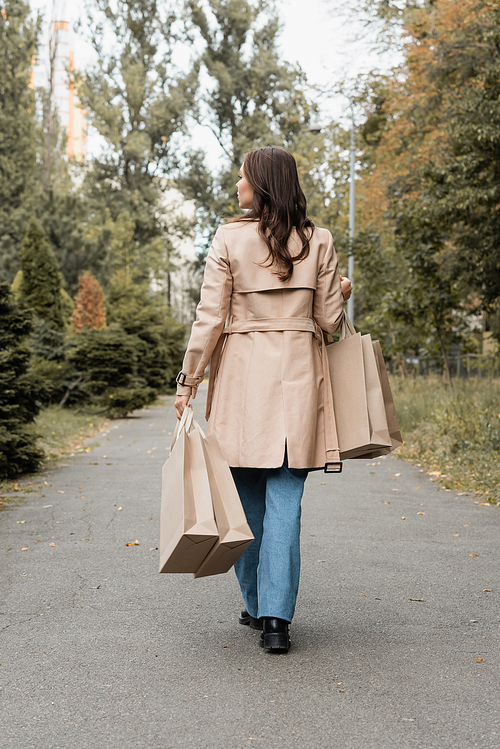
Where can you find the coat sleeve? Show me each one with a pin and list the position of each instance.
(328, 299)
(211, 315)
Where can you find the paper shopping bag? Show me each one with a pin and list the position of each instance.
(234, 532)
(390, 408)
(358, 399)
(187, 523)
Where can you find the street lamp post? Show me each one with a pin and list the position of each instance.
(352, 205)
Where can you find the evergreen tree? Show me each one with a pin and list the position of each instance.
(80, 243)
(89, 312)
(18, 136)
(21, 393)
(40, 287)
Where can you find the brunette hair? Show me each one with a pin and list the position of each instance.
(279, 205)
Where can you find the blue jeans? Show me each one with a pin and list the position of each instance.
(268, 571)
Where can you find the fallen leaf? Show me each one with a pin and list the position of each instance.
(402, 518)
(479, 660)
(420, 513)
(20, 521)
(60, 491)
(395, 490)
(385, 503)
(51, 544)
(417, 487)
(456, 535)
(484, 504)
(2, 503)
(133, 543)
(363, 594)
(341, 691)
(80, 487)
(25, 548)
(104, 456)
(321, 483)
(473, 555)
(486, 590)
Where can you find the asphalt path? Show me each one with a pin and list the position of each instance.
(395, 642)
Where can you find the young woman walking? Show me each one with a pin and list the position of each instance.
(271, 286)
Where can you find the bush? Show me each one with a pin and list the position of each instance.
(106, 362)
(145, 316)
(21, 392)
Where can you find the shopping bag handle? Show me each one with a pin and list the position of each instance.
(347, 329)
(185, 422)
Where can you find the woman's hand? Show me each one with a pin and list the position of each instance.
(346, 287)
(180, 404)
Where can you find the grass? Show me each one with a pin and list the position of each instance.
(62, 431)
(453, 433)
(62, 434)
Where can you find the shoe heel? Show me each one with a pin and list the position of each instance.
(277, 641)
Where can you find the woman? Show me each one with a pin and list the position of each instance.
(274, 276)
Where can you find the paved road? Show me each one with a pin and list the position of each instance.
(99, 650)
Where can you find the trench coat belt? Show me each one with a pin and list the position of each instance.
(269, 324)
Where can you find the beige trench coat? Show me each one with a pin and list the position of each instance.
(268, 383)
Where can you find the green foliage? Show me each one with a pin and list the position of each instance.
(463, 188)
(137, 100)
(21, 392)
(40, 287)
(255, 99)
(79, 243)
(454, 433)
(146, 317)
(18, 142)
(107, 361)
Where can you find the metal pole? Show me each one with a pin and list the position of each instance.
(352, 203)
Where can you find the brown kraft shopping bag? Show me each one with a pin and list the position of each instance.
(187, 524)
(234, 533)
(358, 400)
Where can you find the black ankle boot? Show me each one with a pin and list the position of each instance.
(275, 637)
(245, 618)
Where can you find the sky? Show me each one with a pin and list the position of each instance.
(316, 35)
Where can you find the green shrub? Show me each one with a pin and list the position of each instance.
(21, 392)
(106, 362)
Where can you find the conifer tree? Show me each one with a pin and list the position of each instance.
(20, 392)
(89, 312)
(40, 287)
(18, 142)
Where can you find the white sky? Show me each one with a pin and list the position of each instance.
(315, 35)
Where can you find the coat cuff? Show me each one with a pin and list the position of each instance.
(184, 390)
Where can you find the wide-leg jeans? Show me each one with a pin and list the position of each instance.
(268, 571)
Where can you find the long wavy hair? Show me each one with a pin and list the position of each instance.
(279, 205)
